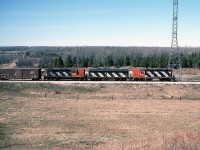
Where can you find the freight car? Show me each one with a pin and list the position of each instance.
(20, 74)
(108, 74)
(149, 74)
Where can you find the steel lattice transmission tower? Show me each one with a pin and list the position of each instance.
(174, 55)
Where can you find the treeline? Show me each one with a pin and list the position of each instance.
(13, 48)
(6, 59)
(99, 56)
(158, 60)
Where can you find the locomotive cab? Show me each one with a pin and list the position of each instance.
(138, 74)
(78, 74)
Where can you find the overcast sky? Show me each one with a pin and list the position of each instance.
(97, 22)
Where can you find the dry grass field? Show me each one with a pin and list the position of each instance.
(99, 116)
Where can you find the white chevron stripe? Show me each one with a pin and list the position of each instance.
(93, 74)
(150, 74)
(51, 73)
(114, 74)
(164, 73)
(58, 73)
(66, 74)
(108, 75)
(157, 73)
(100, 74)
(122, 75)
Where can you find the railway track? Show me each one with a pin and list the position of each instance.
(103, 82)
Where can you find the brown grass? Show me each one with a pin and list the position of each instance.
(109, 121)
(182, 141)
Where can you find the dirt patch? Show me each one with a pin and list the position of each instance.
(9, 65)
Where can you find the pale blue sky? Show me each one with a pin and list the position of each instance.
(97, 22)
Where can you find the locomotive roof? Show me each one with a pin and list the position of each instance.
(157, 69)
(107, 70)
(59, 69)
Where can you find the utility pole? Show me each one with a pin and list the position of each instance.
(174, 54)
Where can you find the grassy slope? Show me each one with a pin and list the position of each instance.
(98, 116)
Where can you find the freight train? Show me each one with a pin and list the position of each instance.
(94, 74)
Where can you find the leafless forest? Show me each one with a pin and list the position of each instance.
(94, 56)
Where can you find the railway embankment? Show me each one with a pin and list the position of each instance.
(104, 90)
